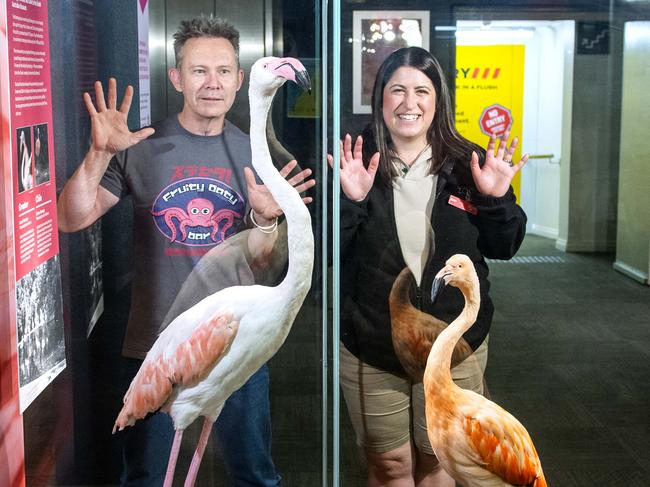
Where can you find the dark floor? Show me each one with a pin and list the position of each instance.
(569, 355)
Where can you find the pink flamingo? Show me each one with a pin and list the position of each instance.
(413, 331)
(477, 442)
(210, 350)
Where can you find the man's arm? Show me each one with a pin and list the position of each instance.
(83, 200)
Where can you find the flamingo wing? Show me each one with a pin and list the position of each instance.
(189, 362)
(231, 263)
(414, 331)
(503, 445)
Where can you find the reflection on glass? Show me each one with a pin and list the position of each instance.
(569, 85)
(568, 346)
(375, 35)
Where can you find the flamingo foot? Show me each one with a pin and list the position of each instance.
(173, 456)
(198, 453)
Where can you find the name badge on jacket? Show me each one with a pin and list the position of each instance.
(463, 205)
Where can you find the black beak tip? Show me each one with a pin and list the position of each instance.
(436, 287)
(303, 80)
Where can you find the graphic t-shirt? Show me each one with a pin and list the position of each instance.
(189, 195)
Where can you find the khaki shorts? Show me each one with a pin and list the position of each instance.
(387, 410)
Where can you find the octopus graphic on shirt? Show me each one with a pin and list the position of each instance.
(198, 211)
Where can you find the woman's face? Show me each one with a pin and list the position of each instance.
(409, 105)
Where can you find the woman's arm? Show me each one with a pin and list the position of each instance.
(356, 183)
(501, 223)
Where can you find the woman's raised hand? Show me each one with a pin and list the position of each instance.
(356, 180)
(260, 198)
(110, 132)
(494, 178)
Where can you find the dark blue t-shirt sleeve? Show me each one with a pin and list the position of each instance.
(114, 179)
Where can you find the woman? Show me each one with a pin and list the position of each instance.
(419, 175)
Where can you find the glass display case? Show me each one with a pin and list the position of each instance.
(562, 251)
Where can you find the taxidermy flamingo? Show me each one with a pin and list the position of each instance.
(413, 331)
(210, 350)
(243, 258)
(477, 442)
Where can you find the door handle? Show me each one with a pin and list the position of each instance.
(544, 156)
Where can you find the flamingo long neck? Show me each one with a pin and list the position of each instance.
(437, 371)
(300, 239)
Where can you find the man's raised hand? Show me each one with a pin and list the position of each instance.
(110, 132)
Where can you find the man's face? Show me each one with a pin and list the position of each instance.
(208, 77)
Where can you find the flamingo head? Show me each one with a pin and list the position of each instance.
(269, 73)
(458, 272)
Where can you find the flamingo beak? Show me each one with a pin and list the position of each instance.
(439, 282)
(292, 69)
(303, 81)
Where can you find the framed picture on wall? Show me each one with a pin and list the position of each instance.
(375, 34)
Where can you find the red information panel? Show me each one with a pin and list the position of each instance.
(29, 83)
(12, 472)
(27, 102)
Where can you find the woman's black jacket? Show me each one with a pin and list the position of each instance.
(371, 259)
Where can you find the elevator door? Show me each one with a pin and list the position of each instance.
(252, 19)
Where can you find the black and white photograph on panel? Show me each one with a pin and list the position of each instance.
(25, 169)
(41, 154)
(95, 276)
(39, 319)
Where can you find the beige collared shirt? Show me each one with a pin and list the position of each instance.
(414, 195)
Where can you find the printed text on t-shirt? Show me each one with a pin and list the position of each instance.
(220, 173)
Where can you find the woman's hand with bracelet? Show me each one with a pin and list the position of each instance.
(264, 210)
(263, 228)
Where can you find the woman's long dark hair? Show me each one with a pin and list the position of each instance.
(446, 143)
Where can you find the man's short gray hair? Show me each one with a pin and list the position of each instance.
(204, 26)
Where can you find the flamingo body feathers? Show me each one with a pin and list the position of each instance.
(189, 363)
(245, 325)
(414, 331)
(478, 443)
(477, 439)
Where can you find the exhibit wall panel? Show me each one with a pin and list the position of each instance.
(11, 449)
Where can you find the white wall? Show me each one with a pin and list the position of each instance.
(633, 228)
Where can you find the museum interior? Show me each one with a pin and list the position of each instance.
(569, 338)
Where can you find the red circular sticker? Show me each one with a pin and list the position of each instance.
(495, 120)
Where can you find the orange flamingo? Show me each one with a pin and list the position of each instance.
(211, 349)
(413, 331)
(477, 442)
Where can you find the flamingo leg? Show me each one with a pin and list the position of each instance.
(173, 456)
(198, 453)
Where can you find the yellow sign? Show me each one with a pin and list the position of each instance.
(490, 94)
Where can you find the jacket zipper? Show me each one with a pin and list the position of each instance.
(440, 185)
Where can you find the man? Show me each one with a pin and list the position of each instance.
(191, 191)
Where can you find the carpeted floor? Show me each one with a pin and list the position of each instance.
(569, 355)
